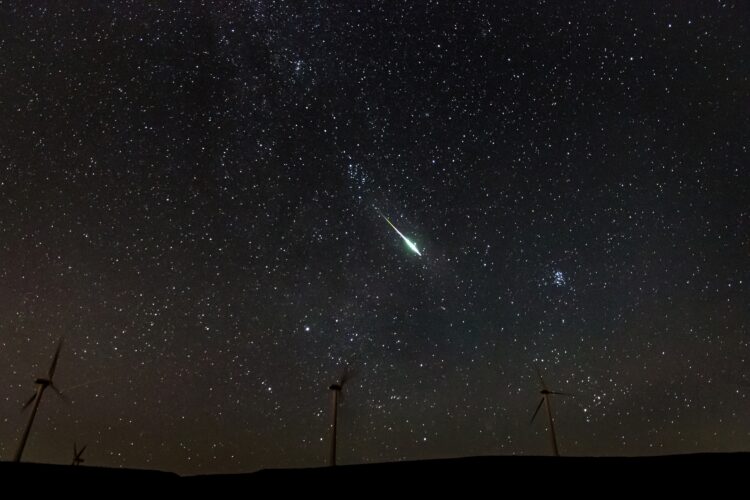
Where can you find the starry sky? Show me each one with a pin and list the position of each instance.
(190, 196)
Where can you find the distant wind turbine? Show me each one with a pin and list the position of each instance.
(41, 385)
(546, 393)
(335, 394)
(77, 460)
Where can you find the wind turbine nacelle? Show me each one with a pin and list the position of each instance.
(42, 381)
(334, 387)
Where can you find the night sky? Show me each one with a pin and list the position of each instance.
(190, 195)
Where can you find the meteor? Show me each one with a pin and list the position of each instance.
(408, 242)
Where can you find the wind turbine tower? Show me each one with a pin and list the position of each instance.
(546, 393)
(41, 386)
(336, 389)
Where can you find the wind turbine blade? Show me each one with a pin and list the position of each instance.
(83, 384)
(541, 379)
(75, 450)
(54, 360)
(82, 450)
(562, 394)
(27, 403)
(537, 410)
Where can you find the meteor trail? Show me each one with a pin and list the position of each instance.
(408, 242)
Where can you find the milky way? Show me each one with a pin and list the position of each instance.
(186, 196)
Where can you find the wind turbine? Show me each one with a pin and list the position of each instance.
(41, 385)
(546, 393)
(335, 392)
(77, 460)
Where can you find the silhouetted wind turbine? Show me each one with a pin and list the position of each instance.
(77, 460)
(335, 392)
(545, 392)
(41, 385)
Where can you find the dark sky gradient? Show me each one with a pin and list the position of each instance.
(189, 195)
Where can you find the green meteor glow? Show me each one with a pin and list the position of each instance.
(408, 242)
